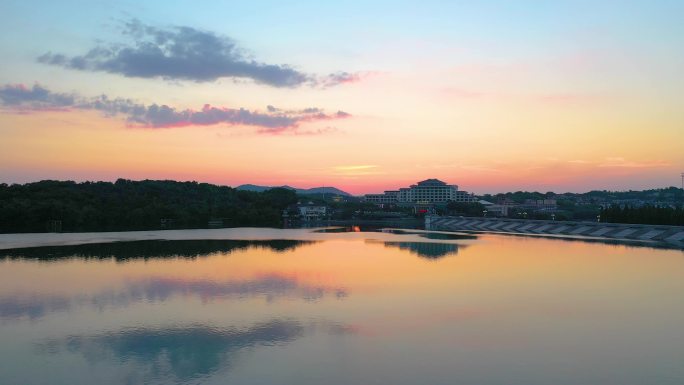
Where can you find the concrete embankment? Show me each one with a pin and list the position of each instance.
(671, 235)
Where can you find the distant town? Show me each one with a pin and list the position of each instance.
(433, 196)
(68, 206)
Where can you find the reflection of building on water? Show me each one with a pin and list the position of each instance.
(425, 249)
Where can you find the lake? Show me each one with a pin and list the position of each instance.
(332, 306)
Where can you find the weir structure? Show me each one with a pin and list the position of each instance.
(666, 235)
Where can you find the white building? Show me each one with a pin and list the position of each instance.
(424, 192)
(311, 212)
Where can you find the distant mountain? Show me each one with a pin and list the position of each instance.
(253, 187)
(323, 190)
(314, 190)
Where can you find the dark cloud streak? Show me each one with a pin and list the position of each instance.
(17, 95)
(185, 53)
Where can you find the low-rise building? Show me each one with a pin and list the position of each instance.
(387, 197)
(306, 211)
(312, 212)
(541, 204)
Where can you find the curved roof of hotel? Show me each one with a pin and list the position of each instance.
(431, 182)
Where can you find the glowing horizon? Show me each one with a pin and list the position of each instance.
(493, 96)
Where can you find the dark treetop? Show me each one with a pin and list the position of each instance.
(135, 205)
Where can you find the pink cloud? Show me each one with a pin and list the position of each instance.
(24, 100)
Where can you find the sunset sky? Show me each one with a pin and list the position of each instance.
(364, 96)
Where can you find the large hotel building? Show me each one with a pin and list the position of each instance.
(425, 192)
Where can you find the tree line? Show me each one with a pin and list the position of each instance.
(135, 205)
(647, 214)
(669, 194)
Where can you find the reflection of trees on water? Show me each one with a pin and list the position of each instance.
(183, 353)
(380, 229)
(426, 249)
(160, 289)
(447, 236)
(123, 251)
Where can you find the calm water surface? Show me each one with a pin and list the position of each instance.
(302, 307)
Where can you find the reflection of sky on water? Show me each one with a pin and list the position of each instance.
(183, 353)
(32, 306)
(506, 311)
(160, 289)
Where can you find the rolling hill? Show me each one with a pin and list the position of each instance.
(310, 191)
